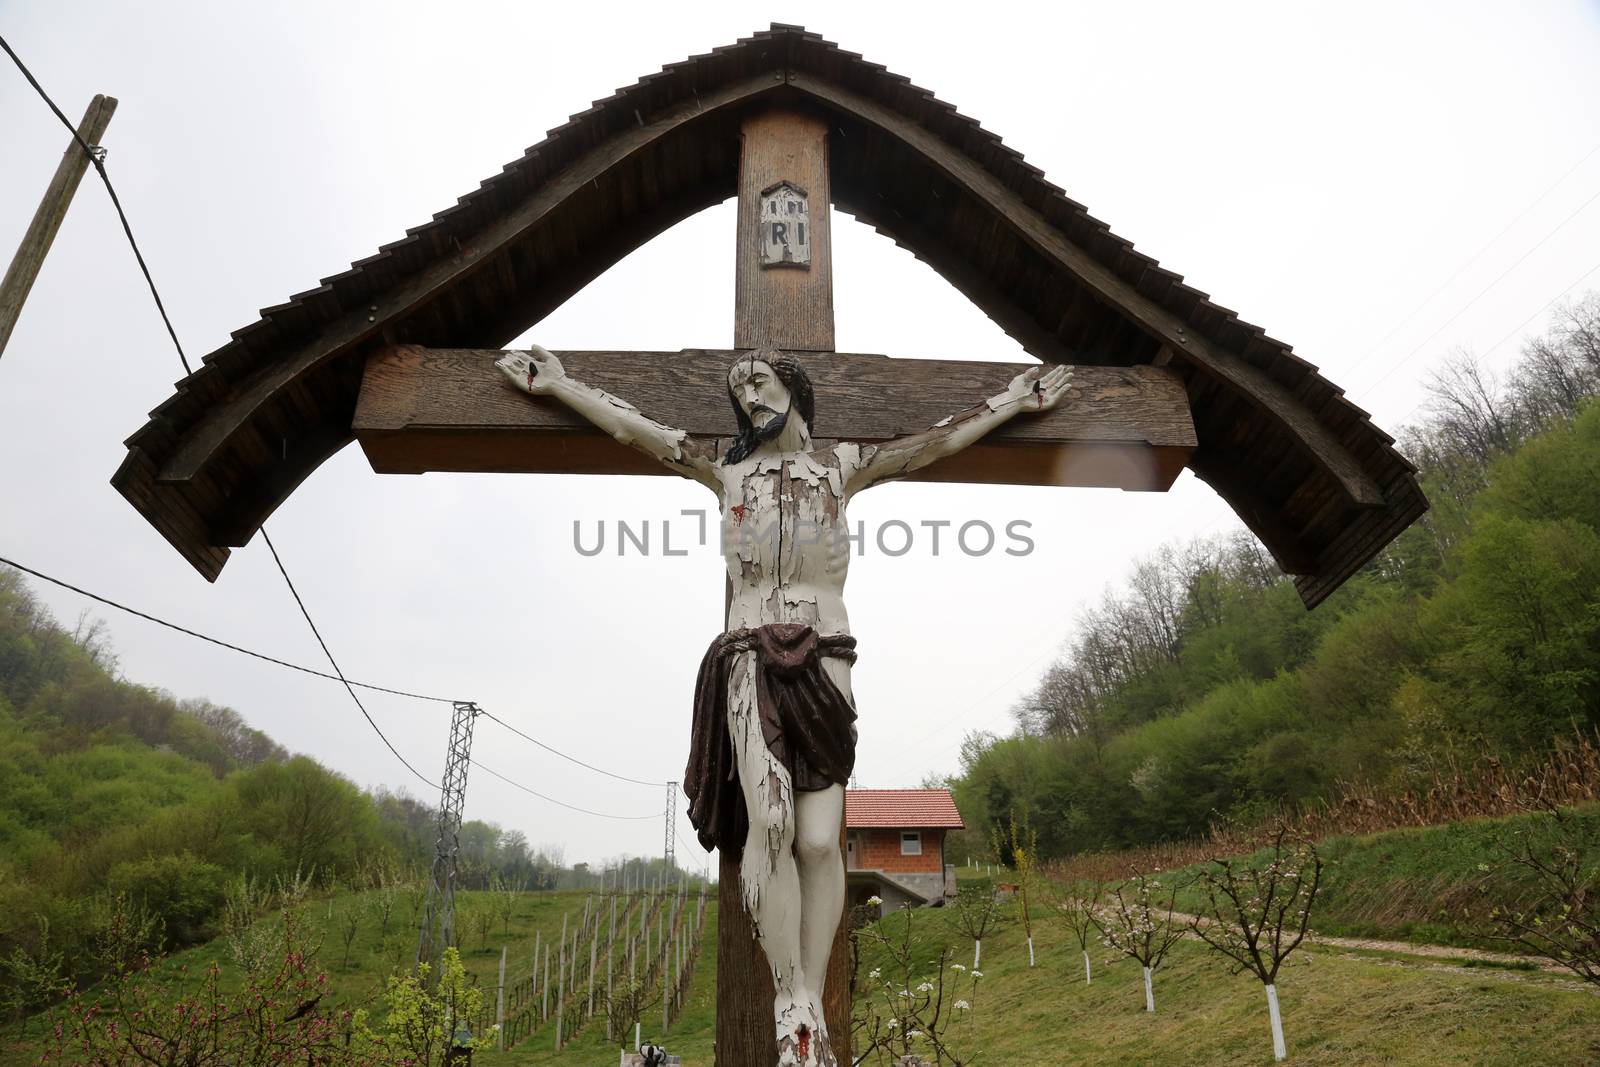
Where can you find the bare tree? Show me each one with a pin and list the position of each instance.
(1469, 408)
(1256, 915)
(1135, 922)
(1563, 926)
(1077, 906)
(93, 636)
(976, 912)
(350, 927)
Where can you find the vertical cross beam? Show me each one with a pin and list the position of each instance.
(782, 305)
(779, 304)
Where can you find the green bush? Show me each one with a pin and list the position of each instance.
(184, 894)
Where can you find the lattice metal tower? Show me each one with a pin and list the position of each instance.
(670, 852)
(439, 919)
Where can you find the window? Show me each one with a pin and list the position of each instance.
(911, 842)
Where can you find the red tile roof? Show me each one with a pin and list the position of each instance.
(907, 809)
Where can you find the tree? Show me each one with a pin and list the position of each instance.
(425, 1023)
(1563, 924)
(909, 1008)
(33, 979)
(975, 912)
(275, 1018)
(1023, 844)
(1077, 906)
(1257, 914)
(1135, 923)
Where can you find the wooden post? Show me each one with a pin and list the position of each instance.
(544, 1005)
(500, 1005)
(594, 945)
(611, 944)
(535, 964)
(41, 232)
(792, 309)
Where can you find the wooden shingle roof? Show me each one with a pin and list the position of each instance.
(1303, 467)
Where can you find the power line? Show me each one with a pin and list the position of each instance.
(318, 674)
(334, 664)
(1518, 328)
(136, 613)
(562, 803)
(1481, 293)
(571, 759)
(213, 640)
(1473, 259)
(98, 159)
(97, 156)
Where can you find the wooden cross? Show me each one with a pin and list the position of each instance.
(433, 409)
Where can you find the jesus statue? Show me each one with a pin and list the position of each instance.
(774, 736)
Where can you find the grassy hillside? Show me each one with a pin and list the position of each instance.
(1340, 1008)
(1418, 884)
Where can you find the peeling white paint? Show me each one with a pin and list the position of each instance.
(786, 548)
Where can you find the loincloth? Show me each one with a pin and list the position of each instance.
(805, 720)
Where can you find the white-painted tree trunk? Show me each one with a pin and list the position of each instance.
(977, 952)
(1088, 973)
(1279, 1050)
(1030, 952)
(1149, 992)
(500, 1005)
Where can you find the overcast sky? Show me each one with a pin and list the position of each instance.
(1358, 179)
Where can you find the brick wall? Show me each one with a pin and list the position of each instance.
(879, 850)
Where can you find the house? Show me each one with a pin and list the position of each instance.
(894, 846)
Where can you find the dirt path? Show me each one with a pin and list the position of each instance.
(1410, 948)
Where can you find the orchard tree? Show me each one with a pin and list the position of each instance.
(1134, 921)
(1256, 914)
(976, 912)
(1077, 904)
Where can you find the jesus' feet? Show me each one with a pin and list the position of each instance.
(802, 1037)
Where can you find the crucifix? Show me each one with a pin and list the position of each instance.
(774, 719)
(773, 737)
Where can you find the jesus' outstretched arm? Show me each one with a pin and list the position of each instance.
(540, 373)
(1035, 389)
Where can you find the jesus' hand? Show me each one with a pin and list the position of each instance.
(535, 371)
(1040, 388)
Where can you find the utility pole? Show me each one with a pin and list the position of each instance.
(41, 232)
(439, 918)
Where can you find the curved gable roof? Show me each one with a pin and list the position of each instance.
(1305, 469)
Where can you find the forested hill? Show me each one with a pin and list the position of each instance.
(1202, 690)
(109, 789)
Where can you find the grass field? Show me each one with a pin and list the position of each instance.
(1339, 1007)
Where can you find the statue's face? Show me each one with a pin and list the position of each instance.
(757, 389)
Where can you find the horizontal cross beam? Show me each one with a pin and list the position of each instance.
(426, 410)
